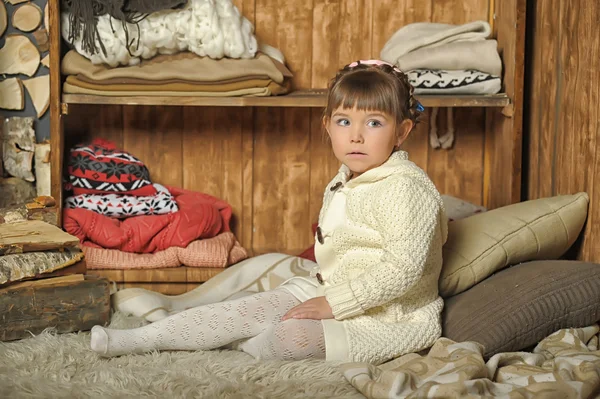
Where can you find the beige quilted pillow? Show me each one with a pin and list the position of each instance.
(482, 244)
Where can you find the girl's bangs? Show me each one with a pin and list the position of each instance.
(364, 96)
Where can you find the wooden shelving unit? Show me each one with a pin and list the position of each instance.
(301, 98)
(498, 149)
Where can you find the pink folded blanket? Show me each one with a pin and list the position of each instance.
(220, 251)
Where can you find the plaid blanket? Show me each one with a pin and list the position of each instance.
(564, 365)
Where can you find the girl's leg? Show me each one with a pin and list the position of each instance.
(290, 340)
(201, 328)
(249, 276)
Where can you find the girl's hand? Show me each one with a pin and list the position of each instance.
(316, 308)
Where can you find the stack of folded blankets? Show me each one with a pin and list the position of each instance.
(182, 74)
(184, 48)
(446, 59)
(124, 221)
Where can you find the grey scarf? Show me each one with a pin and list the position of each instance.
(84, 13)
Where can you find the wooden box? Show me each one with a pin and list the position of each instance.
(69, 303)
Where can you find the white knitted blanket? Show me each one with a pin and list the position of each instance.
(209, 28)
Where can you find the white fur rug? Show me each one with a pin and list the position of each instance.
(63, 366)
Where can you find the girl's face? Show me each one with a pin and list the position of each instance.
(363, 140)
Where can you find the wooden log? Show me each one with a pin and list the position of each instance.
(67, 304)
(42, 39)
(42, 170)
(11, 94)
(19, 55)
(48, 215)
(17, 267)
(27, 17)
(3, 18)
(45, 200)
(1, 145)
(49, 281)
(46, 17)
(15, 192)
(32, 236)
(77, 268)
(18, 147)
(39, 91)
(46, 61)
(30, 211)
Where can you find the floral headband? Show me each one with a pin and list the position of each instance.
(374, 62)
(420, 107)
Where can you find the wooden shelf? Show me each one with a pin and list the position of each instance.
(301, 98)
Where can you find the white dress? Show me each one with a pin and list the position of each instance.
(336, 342)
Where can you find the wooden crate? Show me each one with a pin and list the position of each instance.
(68, 303)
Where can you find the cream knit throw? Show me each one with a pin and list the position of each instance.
(209, 28)
(441, 46)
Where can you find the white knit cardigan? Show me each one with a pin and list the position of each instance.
(385, 288)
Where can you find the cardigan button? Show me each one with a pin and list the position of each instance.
(320, 279)
(320, 236)
(336, 186)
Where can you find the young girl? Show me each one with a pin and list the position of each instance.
(378, 247)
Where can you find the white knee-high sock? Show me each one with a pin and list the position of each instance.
(290, 340)
(201, 328)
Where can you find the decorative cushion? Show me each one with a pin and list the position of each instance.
(99, 168)
(532, 230)
(519, 306)
(434, 81)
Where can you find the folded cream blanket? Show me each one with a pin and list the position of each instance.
(441, 46)
(469, 55)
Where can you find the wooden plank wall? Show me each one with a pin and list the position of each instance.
(563, 107)
(272, 164)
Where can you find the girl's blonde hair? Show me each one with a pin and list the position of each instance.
(373, 87)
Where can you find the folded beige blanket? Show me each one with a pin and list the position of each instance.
(428, 34)
(187, 66)
(196, 88)
(253, 92)
(136, 81)
(564, 365)
(441, 46)
(458, 56)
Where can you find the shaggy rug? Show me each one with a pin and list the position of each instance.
(62, 366)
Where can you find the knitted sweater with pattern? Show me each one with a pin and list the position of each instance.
(385, 288)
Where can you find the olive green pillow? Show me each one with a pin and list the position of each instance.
(519, 306)
(488, 242)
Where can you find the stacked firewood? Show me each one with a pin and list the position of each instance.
(20, 56)
(42, 276)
